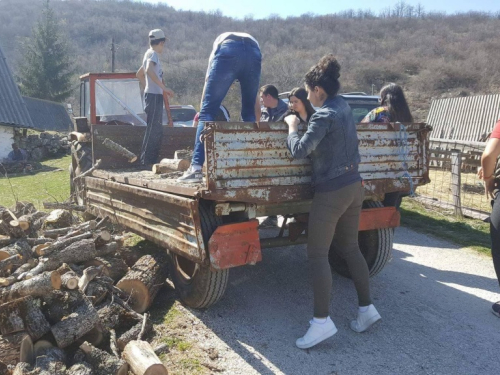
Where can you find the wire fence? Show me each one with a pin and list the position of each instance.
(454, 183)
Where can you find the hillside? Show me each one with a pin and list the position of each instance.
(431, 55)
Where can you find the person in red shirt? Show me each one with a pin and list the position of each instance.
(491, 187)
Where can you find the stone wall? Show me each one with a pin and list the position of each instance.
(42, 145)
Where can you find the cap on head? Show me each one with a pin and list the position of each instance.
(156, 34)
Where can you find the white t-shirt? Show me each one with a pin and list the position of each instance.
(151, 87)
(220, 39)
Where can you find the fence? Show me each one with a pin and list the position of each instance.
(454, 182)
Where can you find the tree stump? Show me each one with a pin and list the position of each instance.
(16, 347)
(102, 362)
(23, 314)
(142, 359)
(38, 286)
(115, 268)
(144, 280)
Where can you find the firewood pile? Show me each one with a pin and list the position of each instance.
(73, 300)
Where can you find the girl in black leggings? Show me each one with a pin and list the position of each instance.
(332, 144)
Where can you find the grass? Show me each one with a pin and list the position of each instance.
(48, 184)
(441, 223)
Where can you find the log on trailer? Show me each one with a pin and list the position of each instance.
(16, 347)
(23, 314)
(142, 359)
(171, 165)
(130, 156)
(144, 280)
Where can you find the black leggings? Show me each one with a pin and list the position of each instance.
(495, 235)
(334, 216)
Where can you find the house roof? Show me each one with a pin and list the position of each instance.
(13, 111)
(465, 118)
(47, 115)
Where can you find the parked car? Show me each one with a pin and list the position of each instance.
(182, 115)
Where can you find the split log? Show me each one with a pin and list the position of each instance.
(16, 347)
(38, 286)
(58, 218)
(171, 165)
(113, 315)
(75, 325)
(133, 333)
(183, 154)
(69, 280)
(63, 206)
(144, 280)
(130, 156)
(23, 314)
(52, 362)
(41, 346)
(82, 368)
(59, 303)
(88, 275)
(142, 359)
(102, 362)
(62, 244)
(115, 268)
(96, 292)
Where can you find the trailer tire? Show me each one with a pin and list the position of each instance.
(197, 284)
(375, 245)
(81, 161)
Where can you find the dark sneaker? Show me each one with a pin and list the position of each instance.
(191, 176)
(495, 309)
(269, 222)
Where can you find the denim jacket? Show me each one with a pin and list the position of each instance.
(331, 141)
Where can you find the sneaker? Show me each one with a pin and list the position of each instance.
(495, 309)
(269, 222)
(316, 333)
(191, 176)
(366, 319)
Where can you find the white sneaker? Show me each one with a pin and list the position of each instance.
(191, 176)
(316, 333)
(366, 319)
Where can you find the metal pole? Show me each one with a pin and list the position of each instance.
(113, 55)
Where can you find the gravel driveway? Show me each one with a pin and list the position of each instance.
(434, 299)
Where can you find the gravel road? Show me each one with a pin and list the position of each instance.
(434, 299)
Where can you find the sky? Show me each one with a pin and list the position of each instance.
(263, 8)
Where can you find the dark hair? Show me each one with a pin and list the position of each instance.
(301, 94)
(325, 74)
(270, 90)
(156, 41)
(393, 97)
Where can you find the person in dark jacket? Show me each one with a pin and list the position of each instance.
(273, 106)
(332, 144)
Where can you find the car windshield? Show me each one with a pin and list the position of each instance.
(182, 114)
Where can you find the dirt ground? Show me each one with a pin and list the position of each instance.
(434, 299)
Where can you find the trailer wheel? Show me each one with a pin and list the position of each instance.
(197, 284)
(81, 161)
(375, 245)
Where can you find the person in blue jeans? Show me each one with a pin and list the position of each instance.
(235, 56)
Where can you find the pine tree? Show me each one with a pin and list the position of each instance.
(45, 71)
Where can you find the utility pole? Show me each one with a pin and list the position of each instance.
(112, 55)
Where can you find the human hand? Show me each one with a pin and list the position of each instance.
(169, 92)
(480, 173)
(293, 123)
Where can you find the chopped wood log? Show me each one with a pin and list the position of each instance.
(63, 206)
(133, 333)
(102, 362)
(11, 230)
(62, 244)
(108, 249)
(5, 240)
(96, 292)
(20, 273)
(115, 268)
(23, 224)
(41, 346)
(89, 226)
(38, 241)
(65, 268)
(6, 281)
(53, 233)
(102, 238)
(130, 156)
(59, 218)
(20, 247)
(144, 280)
(16, 347)
(7, 264)
(33, 222)
(113, 315)
(129, 256)
(38, 286)
(22, 208)
(171, 165)
(112, 343)
(82, 368)
(58, 303)
(183, 154)
(88, 275)
(95, 336)
(23, 314)
(142, 359)
(69, 280)
(7, 251)
(75, 325)
(52, 362)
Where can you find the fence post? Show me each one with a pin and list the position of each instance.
(456, 167)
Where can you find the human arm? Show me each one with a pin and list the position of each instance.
(488, 163)
(258, 111)
(142, 78)
(152, 75)
(316, 131)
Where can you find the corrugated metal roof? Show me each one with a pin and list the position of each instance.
(13, 110)
(47, 115)
(465, 119)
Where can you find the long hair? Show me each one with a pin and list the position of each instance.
(301, 94)
(393, 98)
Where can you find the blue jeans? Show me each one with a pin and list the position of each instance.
(234, 60)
